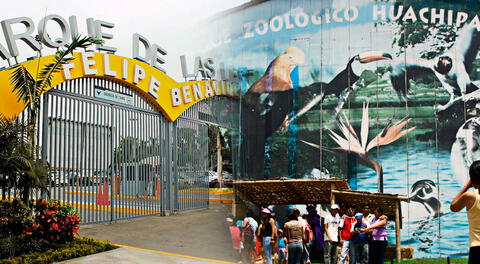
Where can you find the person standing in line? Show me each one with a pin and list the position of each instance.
(367, 216)
(367, 219)
(379, 240)
(315, 222)
(332, 222)
(267, 231)
(346, 234)
(359, 242)
(282, 248)
(249, 227)
(294, 233)
(235, 234)
(471, 201)
(307, 232)
(274, 248)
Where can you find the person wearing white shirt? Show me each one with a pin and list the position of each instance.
(367, 216)
(332, 222)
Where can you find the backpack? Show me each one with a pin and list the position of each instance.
(308, 233)
(248, 235)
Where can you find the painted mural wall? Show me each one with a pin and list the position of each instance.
(383, 93)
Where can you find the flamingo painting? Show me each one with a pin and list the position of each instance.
(351, 143)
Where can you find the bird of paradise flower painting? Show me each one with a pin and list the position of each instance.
(351, 143)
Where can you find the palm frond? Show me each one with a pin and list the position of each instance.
(39, 175)
(23, 84)
(82, 42)
(7, 126)
(61, 57)
(20, 163)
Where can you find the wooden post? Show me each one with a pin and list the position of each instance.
(332, 195)
(219, 160)
(234, 202)
(397, 231)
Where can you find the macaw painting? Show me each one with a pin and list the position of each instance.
(382, 93)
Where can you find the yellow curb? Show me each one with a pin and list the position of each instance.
(220, 190)
(220, 201)
(108, 208)
(221, 193)
(134, 196)
(152, 198)
(175, 254)
(116, 195)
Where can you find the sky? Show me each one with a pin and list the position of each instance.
(162, 22)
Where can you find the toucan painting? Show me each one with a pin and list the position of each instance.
(341, 85)
(269, 101)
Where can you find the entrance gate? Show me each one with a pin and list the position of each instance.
(113, 156)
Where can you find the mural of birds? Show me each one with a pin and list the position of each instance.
(352, 144)
(341, 85)
(266, 104)
(466, 148)
(452, 68)
(423, 200)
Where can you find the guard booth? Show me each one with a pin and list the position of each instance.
(140, 178)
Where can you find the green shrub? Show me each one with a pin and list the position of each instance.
(14, 218)
(22, 233)
(54, 222)
(29, 245)
(15, 223)
(72, 249)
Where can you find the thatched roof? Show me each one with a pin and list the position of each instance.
(289, 191)
(311, 191)
(358, 198)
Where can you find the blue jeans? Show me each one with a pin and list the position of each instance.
(267, 249)
(306, 252)
(345, 251)
(359, 252)
(295, 252)
(330, 252)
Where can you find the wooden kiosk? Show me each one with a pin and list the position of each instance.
(284, 191)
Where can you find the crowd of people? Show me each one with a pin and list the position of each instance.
(361, 237)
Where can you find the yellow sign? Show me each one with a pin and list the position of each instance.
(170, 97)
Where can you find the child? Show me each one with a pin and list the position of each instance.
(359, 241)
(235, 234)
(282, 248)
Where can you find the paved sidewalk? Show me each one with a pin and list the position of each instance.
(200, 234)
(131, 256)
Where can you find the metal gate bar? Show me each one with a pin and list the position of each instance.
(113, 161)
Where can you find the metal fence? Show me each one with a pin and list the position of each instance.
(119, 158)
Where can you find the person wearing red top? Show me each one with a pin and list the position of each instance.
(235, 235)
(346, 234)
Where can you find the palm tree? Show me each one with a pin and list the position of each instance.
(16, 167)
(10, 138)
(351, 143)
(30, 89)
(33, 174)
